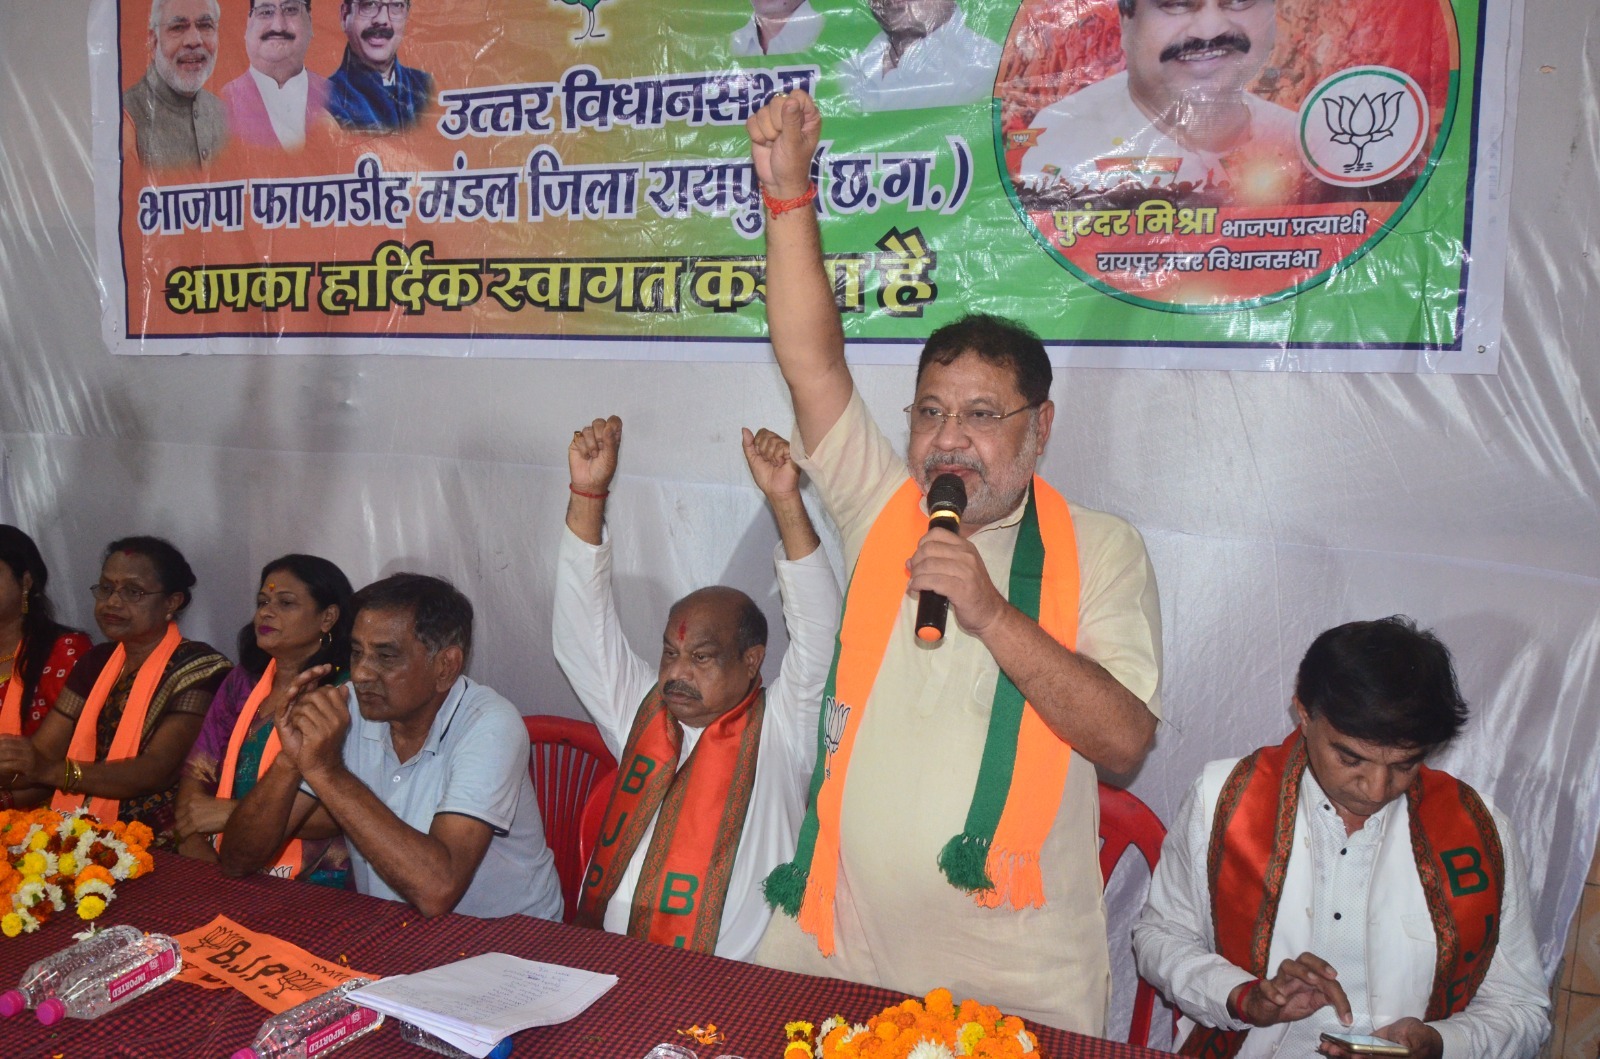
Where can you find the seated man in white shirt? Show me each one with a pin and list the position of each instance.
(926, 56)
(1333, 884)
(778, 27)
(424, 771)
(714, 768)
(273, 102)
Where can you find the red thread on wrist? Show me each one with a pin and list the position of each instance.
(588, 496)
(777, 206)
(1235, 1004)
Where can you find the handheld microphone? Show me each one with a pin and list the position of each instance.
(947, 499)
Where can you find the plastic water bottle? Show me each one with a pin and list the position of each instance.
(423, 1039)
(39, 982)
(112, 978)
(321, 1025)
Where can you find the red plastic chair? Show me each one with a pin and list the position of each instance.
(1126, 821)
(566, 760)
(594, 814)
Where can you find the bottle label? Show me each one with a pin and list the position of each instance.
(151, 969)
(349, 1026)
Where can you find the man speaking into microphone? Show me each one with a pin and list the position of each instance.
(951, 838)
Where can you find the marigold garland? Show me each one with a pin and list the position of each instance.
(934, 1027)
(50, 856)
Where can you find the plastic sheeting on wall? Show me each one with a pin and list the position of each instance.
(1274, 505)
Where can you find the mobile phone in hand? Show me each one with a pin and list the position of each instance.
(1361, 1044)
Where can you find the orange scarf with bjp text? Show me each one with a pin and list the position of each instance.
(1460, 864)
(699, 808)
(130, 729)
(291, 858)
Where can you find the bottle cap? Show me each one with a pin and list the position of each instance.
(52, 1011)
(245, 1053)
(12, 1002)
(501, 1050)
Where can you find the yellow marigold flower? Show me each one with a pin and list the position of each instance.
(91, 907)
(33, 863)
(67, 864)
(81, 824)
(40, 840)
(11, 925)
(793, 1029)
(971, 1033)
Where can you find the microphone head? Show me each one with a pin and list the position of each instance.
(947, 493)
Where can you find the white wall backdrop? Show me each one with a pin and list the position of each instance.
(1274, 505)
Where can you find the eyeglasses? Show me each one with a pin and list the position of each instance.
(267, 12)
(180, 27)
(397, 9)
(925, 419)
(129, 594)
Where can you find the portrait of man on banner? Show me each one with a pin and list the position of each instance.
(274, 102)
(372, 91)
(925, 56)
(1214, 102)
(176, 123)
(778, 27)
(1179, 118)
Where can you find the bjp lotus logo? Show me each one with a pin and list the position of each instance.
(1377, 112)
(1361, 122)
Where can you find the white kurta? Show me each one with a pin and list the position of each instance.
(1097, 139)
(1382, 943)
(899, 923)
(800, 31)
(611, 681)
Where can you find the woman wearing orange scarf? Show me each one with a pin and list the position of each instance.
(36, 651)
(303, 618)
(131, 709)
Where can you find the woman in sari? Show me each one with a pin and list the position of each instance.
(116, 739)
(36, 652)
(302, 619)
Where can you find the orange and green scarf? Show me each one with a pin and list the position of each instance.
(1023, 769)
(1460, 863)
(699, 809)
(130, 728)
(291, 858)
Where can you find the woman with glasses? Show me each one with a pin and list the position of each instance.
(116, 739)
(303, 619)
(36, 651)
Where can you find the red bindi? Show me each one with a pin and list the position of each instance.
(683, 628)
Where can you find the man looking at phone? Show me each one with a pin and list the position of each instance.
(1333, 884)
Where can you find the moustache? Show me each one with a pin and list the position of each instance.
(377, 33)
(1236, 42)
(679, 688)
(279, 34)
(946, 460)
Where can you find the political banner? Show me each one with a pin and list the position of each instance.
(1260, 184)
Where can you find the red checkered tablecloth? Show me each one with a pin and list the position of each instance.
(660, 990)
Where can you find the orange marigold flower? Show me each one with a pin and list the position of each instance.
(941, 1003)
(139, 833)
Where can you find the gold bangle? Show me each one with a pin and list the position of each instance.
(74, 776)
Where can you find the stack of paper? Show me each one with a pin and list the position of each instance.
(475, 1003)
